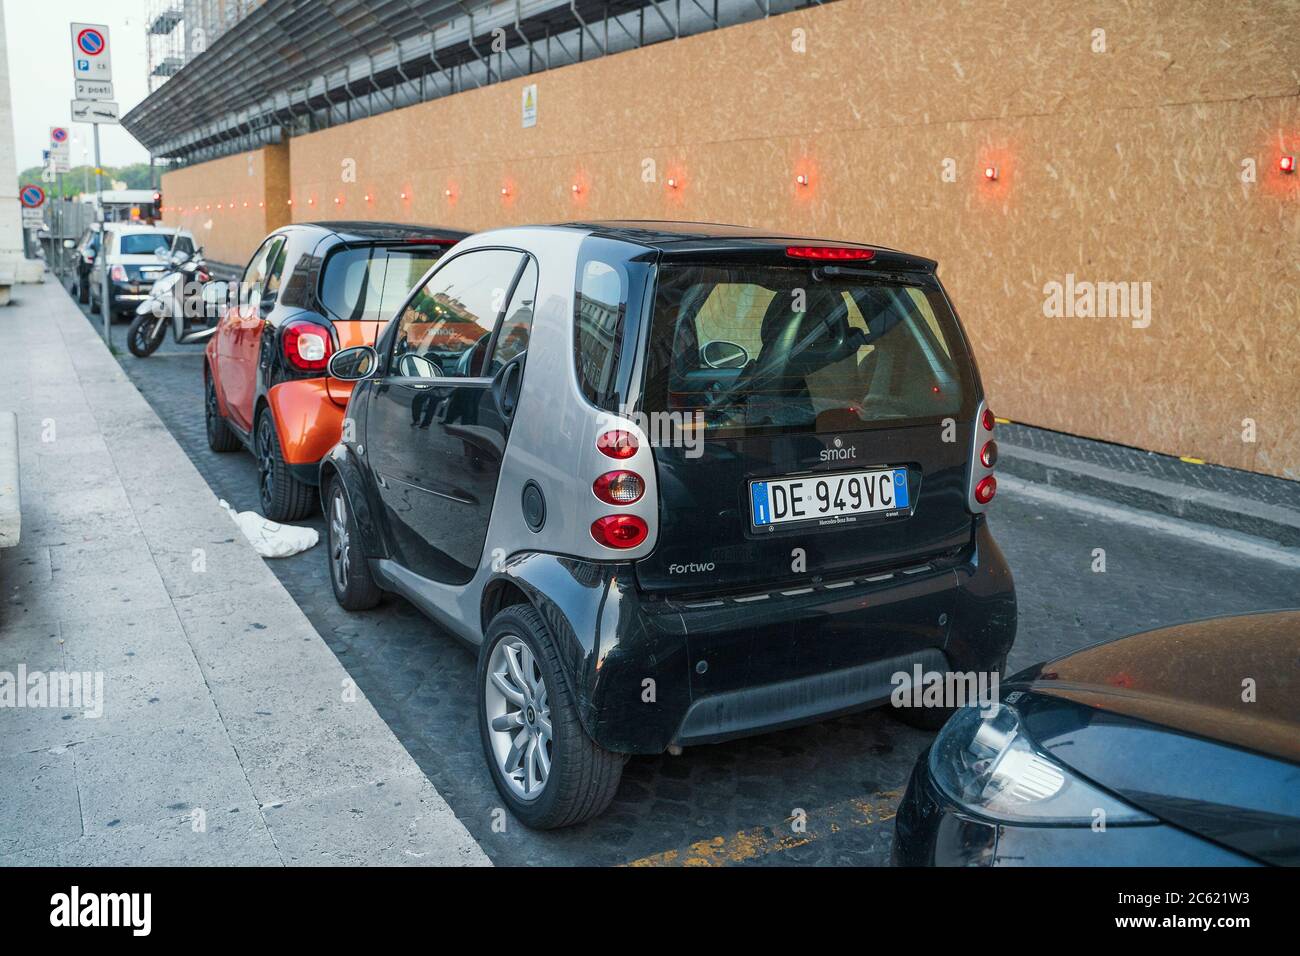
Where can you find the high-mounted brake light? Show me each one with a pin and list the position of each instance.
(617, 444)
(307, 346)
(619, 531)
(619, 487)
(830, 253)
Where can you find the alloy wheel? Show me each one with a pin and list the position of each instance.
(519, 717)
(339, 543)
(266, 461)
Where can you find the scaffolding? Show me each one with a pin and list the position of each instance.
(281, 68)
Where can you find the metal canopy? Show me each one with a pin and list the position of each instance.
(293, 66)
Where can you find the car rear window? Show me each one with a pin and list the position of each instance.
(370, 283)
(774, 348)
(143, 243)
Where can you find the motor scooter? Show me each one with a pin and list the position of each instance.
(176, 299)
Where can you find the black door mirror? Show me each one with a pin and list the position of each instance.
(354, 364)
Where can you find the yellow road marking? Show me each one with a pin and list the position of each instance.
(1190, 460)
(1002, 421)
(760, 841)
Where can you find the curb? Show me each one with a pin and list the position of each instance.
(1245, 516)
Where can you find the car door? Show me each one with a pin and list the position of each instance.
(239, 336)
(435, 430)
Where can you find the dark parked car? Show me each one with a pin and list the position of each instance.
(310, 289)
(1179, 746)
(677, 483)
(83, 259)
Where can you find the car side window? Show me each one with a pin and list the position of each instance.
(447, 325)
(275, 269)
(518, 322)
(255, 273)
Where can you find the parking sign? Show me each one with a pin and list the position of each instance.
(90, 54)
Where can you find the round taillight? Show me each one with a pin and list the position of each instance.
(989, 454)
(986, 489)
(619, 487)
(617, 444)
(619, 531)
(988, 421)
(307, 346)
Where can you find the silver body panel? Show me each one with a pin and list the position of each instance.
(552, 442)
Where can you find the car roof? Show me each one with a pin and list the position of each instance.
(356, 230)
(138, 227)
(689, 237)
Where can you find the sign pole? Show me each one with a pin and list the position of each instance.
(58, 217)
(105, 293)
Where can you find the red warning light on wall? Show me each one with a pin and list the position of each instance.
(1286, 164)
(802, 179)
(991, 173)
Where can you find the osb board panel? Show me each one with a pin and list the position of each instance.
(230, 204)
(1115, 166)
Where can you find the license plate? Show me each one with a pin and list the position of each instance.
(827, 499)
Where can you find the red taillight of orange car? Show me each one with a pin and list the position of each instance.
(306, 345)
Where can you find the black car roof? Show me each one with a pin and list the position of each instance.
(687, 237)
(355, 230)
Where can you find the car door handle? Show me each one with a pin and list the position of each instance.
(506, 385)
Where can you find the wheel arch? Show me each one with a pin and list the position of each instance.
(342, 463)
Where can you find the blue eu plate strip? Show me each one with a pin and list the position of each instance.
(758, 494)
(900, 487)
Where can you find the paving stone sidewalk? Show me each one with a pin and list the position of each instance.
(229, 732)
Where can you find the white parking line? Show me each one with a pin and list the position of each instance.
(1233, 541)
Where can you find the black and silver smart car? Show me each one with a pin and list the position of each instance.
(1175, 747)
(677, 483)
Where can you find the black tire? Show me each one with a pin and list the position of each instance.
(221, 437)
(94, 303)
(145, 335)
(354, 586)
(583, 777)
(283, 497)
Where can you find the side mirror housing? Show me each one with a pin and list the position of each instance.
(354, 364)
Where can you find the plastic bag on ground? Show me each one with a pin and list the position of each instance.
(270, 539)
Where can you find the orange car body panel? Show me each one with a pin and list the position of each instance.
(308, 420)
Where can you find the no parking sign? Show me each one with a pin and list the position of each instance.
(32, 197)
(90, 56)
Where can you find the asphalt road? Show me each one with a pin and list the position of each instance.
(732, 803)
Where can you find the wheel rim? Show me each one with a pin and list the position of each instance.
(518, 717)
(145, 334)
(212, 411)
(339, 542)
(265, 468)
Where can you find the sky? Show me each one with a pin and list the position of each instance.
(39, 51)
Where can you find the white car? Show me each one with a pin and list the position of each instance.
(131, 257)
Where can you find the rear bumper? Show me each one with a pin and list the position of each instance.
(308, 422)
(653, 673)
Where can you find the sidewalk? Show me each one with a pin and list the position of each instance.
(230, 733)
(1241, 501)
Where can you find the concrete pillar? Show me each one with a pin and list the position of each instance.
(14, 266)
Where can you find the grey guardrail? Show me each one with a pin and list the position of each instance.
(1245, 516)
(11, 517)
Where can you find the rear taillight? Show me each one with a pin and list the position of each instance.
(307, 346)
(619, 531)
(202, 276)
(617, 444)
(984, 455)
(619, 487)
(117, 274)
(829, 253)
